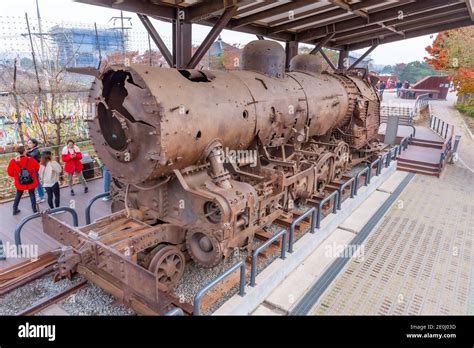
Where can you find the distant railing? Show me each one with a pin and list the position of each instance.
(445, 131)
(421, 100)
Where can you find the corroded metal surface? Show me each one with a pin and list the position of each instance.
(203, 160)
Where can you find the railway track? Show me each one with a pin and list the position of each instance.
(53, 299)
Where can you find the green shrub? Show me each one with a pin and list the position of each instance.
(467, 109)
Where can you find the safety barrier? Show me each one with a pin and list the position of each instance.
(366, 170)
(253, 270)
(210, 285)
(174, 312)
(351, 182)
(436, 122)
(22, 223)
(322, 202)
(421, 100)
(316, 216)
(89, 205)
(446, 132)
(312, 212)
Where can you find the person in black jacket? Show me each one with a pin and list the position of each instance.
(33, 152)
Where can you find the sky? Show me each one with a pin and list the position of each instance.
(66, 10)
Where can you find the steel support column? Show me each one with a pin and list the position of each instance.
(291, 50)
(342, 62)
(211, 37)
(182, 35)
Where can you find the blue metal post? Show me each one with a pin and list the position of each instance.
(211, 284)
(253, 270)
(89, 205)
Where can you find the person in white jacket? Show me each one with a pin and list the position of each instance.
(49, 172)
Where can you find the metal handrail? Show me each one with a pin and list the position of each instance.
(176, 311)
(211, 284)
(253, 271)
(351, 182)
(366, 180)
(322, 202)
(22, 223)
(296, 221)
(89, 205)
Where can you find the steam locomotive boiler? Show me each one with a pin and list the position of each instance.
(204, 159)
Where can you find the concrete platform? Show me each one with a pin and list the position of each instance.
(287, 294)
(391, 184)
(364, 212)
(273, 275)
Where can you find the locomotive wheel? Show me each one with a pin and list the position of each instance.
(341, 154)
(203, 248)
(167, 264)
(324, 171)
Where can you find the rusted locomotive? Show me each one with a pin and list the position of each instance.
(204, 159)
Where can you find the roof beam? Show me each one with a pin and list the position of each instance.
(254, 7)
(349, 8)
(146, 8)
(365, 4)
(374, 28)
(156, 38)
(274, 11)
(306, 20)
(210, 8)
(406, 27)
(424, 31)
(380, 16)
(211, 37)
(301, 15)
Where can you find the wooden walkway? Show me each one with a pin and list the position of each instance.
(32, 233)
(423, 154)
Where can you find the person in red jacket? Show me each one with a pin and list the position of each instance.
(23, 169)
(71, 156)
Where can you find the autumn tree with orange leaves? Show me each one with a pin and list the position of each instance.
(453, 53)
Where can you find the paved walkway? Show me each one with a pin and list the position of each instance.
(419, 259)
(32, 232)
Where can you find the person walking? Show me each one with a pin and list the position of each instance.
(398, 86)
(71, 155)
(106, 177)
(23, 169)
(49, 174)
(33, 151)
(382, 87)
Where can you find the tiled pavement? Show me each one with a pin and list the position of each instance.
(419, 259)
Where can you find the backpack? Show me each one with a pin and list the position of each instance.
(24, 177)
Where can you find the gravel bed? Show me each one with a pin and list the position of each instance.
(20, 299)
(89, 300)
(92, 300)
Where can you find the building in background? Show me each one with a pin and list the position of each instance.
(79, 47)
